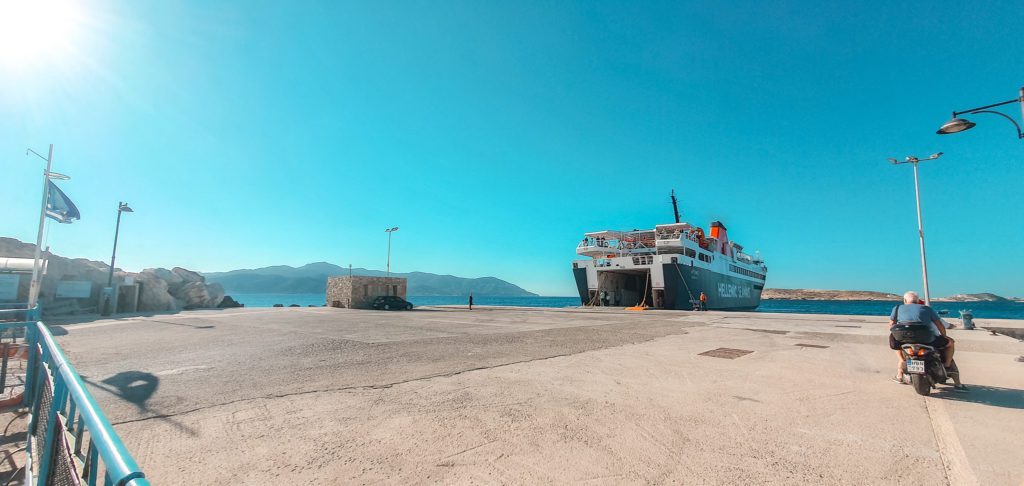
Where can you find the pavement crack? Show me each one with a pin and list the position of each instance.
(379, 386)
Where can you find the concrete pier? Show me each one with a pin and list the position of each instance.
(511, 395)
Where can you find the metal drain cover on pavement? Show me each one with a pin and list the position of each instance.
(727, 353)
(822, 346)
(840, 325)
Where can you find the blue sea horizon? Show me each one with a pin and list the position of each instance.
(982, 310)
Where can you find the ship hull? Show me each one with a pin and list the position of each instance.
(724, 292)
(580, 274)
(683, 285)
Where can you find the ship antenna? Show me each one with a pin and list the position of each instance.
(675, 205)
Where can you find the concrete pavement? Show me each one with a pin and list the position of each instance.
(332, 396)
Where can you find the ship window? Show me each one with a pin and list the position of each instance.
(744, 271)
(689, 252)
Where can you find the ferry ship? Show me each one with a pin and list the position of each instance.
(668, 267)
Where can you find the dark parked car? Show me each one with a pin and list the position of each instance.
(390, 302)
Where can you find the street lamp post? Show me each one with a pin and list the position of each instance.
(122, 207)
(920, 225)
(957, 125)
(389, 231)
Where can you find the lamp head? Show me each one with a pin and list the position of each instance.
(123, 207)
(955, 125)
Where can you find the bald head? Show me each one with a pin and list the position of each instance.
(910, 297)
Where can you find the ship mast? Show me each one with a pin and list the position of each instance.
(675, 205)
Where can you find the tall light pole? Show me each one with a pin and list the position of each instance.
(122, 207)
(389, 231)
(957, 125)
(920, 225)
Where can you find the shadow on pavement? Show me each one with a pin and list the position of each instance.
(134, 386)
(182, 324)
(986, 395)
(137, 387)
(86, 318)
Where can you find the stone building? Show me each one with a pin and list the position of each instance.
(358, 292)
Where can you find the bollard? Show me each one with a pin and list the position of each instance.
(967, 319)
(108, 301)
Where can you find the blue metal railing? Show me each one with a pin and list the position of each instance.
(69, 439)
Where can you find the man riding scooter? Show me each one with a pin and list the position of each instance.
(910, 312)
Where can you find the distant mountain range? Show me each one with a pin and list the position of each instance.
(312, 278)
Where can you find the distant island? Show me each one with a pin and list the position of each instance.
(983, 297)
(814, 294)
(312, 279)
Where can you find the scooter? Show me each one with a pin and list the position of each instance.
(923, 364)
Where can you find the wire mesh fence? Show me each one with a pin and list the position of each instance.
(70, 441)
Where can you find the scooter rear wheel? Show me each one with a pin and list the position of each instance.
(922, 384)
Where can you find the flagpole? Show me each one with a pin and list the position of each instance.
(33, 290)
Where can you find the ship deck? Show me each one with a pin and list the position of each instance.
(328, 396)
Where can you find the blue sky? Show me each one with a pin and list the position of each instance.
(494, 134)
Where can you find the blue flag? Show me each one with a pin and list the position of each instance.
(59, 207)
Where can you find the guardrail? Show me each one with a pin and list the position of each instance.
(69, 440)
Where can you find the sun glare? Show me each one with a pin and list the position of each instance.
(37, 31)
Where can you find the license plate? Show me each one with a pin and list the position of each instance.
(915, 366)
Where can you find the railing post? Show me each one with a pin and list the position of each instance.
(34, 314)
(92, 462)
(32, 368)
(5, 350)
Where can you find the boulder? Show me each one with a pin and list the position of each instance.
(172, 279)
(153, 295)
(188, 276)
(192, 295)
(229, 303)
(216, 292)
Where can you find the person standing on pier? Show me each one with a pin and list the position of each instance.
(703, 301)
(471, 301)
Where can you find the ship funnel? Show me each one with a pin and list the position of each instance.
(719, 232)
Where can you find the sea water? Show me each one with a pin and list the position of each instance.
(982, 310)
